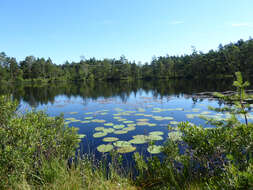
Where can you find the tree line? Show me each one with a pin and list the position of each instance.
(223, 62)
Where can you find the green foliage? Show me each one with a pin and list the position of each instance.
(205, 158)
(27, 140)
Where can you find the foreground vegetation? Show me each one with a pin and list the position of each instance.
(38, 152)
(220, 63)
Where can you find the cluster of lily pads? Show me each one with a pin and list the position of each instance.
(123, 126)
(128, 146)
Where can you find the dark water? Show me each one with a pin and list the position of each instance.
(150, 105)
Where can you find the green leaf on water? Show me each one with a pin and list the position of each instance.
(108, 124)
(99, 128)
(99, 134)
(119, 132)
(127, 149)
(156, 133)
(154, 149)
(81, 136)
(122, 144)
(105, 148)
(118, 126)
(110, 139)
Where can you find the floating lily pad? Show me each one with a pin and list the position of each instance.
(88, 113)
(154, 149)
(156, 133)
(70, 118)
(109, 130)
(98, 120)
(81, 136)
(122, 144)
(103, 113)
(99, 134)
(141, 139)
(108, 124)
(139, 114)
(110, 139)
(129, 128)
(205, 113)
(85, 121)
(128, 121)
(67, 122)
(117, 118)
(99, 128)
(174, 122)
(146, 115)
(142, 123)
(122, 119)
(119, 132)
(155, 138)
(127, 149)
(88, 118)
(142, 120)
(118, 126)
(152, 124)
(190, 116)
(131, 125)
(175, 136)
(105, 148)
(168, 118)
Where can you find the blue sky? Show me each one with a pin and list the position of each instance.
(138, 29)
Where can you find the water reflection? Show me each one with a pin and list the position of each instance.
(35, 94)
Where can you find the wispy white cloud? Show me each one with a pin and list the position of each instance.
(242, 24)
(175, 22)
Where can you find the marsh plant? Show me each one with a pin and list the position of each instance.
(207, 158)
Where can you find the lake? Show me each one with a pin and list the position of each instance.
(123, 115)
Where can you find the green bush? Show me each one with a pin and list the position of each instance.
(27, 141)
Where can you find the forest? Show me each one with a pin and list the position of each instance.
(220, 63)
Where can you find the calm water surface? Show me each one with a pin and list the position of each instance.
(139, 107)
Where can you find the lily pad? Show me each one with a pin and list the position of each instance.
(139, 140)
(156, 133)
(85, 121)
(154, 149)
(119, 132)
(99, 134)
(128, 121)
(105, 148)
(142, 123)
(127, 149)
(98, 120)
(99, 128)
(109, 130)
(142, 120)
(174, 122)
(122, 144)
(152, 124)
(129, 128)
(108, 124)
(81, 136)
(155, 138)
(88, 118)
(110, 139)
(131, 125)
(118, 126)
